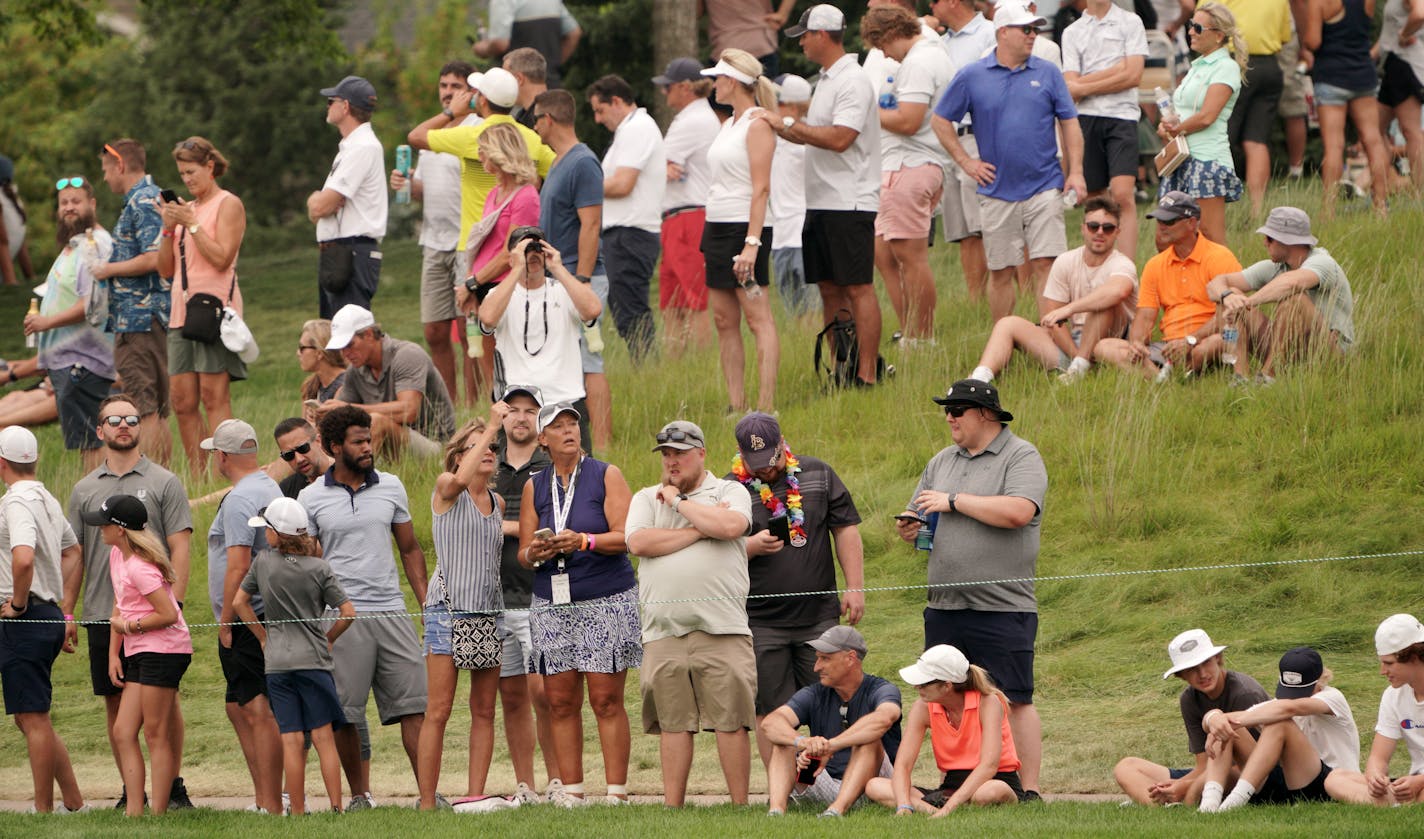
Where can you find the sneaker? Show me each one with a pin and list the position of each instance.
(443, 803)
(123, 802)
(253, 808)
(1238, 380)
(525, 795)
(555, 785)
(1031, 796)
(896, 336)
(563, 798)
(286, 804)
(1072, 375)
(775, 813)
(615, 801)
(364, 801)
(61, 810)
(178, 796)
(1264, 380)
(828, 813)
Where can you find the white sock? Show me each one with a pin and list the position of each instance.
(618, 789)
(574, 789)
(1079, 364)
(1297, 171)
(1238, 797)
(1211, 797)
(982, 373)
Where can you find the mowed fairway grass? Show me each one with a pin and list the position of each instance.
(1142, 478)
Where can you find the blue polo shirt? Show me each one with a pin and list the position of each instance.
(1015, 115)
(819, 708)
(230, 529)
(355, 533)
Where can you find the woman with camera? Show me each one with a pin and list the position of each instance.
(583, 617)
(198, 251)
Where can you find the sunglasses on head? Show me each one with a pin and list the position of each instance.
(114, 421)
(677, 437)
(1105, 226)
(108, 149)
(291, 454)
(63, 183)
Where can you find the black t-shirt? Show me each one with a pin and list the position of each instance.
(1241, 692)
(516, 580)
(827, 505)
(293, 484)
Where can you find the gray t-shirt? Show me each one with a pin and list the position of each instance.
(1331, 296)
(965, 549)
(404, 366)
(162, 494)
(1240, 693)
(230, 529)
(355, 533)
(296, 588)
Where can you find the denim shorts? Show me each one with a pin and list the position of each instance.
(1329, 94)
(78, 392)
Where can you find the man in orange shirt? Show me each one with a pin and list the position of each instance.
(1174, 281)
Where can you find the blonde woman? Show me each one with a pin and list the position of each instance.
(1204, 101)
(149, 649)
(326, 368)
(735, 240)
(198, 250)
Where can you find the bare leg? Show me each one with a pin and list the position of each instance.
(294, 767)
(1296, 135)
(157, 441)
(913, 257)
(1039, 268)
(605, 696)
(675, 749)
(1332, 166)
(734, 752)
(1028, 739)
(867, 327)
(1136, 776)
(325, 746)
(215, 391)
(484, 684)
(780, 774)
(600, 409)
(727, 315)
(441, 677)
(442, 354)
(565, 695)
(543, 725)
(1122, 189)
(1001, 293)
(518, 727)
(410, 726)
(864, 764)
(1014, 331)
(1297, 327)
(1258, 171)
(126, 729)
(267, 754)
(889, 268)
(1364, 113)
(1213, 219)
(157, 706)
(757, 311)
(183, 393)
(975, 267)
(348, 751)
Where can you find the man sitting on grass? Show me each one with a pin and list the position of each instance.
(1210, 687)
(1399, 642)
(854, 720)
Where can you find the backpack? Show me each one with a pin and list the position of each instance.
(844, 353)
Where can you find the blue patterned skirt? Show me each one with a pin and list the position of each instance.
(1203, 179)
(603, 635)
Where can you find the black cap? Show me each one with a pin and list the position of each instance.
(759, 440)
(124, 510)
(527, 231)
(974, 394)
(1176, 205)
(1301, 669)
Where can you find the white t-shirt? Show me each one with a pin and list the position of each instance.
(359, 174)
(537, 342)
(689, 135)
(1401, 715)
(1396, 15)
(439, 175)
(1334, 735)
(14, 225)
(786, 209)
(1071, 279)
(881, 69)
(637, 144)
(922, 78)
(848, 180)
(1091, 45)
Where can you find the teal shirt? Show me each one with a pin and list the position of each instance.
(1218, 67)
(1331, 296)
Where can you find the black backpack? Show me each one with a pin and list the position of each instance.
(844, 353)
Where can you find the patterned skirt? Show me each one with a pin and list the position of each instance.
(1203, 179)
(602, 635)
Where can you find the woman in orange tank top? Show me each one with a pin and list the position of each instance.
(202, 235)
(967, 720)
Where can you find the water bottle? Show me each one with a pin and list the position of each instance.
(403, 166)
(887, 99)
(593, 337)
(1070, 198)
(924, 537)
(1228, 344)
(32, 340)
(1164, 373)
(474, 337)
(1164, 105)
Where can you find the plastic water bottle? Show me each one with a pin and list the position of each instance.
(474, 336)
(32, 340)
(887, 99)
(1164, 373)
(1070, 198)
(1164, 105)
(403, 166)
(1228, 344)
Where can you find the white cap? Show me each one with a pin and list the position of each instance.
(18, 445)
(1015, 13)
(820, 18)
(549, 413)
(232, 436)
(350, 320)
(1190, 649)
(1398, 632)
(941, 663)
(284, 515)
(498, 85)
(793, 89)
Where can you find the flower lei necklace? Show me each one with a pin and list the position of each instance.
(792, 507)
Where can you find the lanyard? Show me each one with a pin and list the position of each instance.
(562, 510)
(543, 343)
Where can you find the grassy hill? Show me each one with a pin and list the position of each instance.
(1142, 478)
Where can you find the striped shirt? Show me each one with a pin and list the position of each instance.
(467, 552)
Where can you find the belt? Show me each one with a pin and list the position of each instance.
(964, 129)
(347, 240)
(667, 214)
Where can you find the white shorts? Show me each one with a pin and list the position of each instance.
(1009, 225)
(825, 790)
(960, 204)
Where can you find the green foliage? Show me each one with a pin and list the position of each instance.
(68, 23)
(617, 38)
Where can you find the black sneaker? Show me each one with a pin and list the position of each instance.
(124, 798)
(178, 796)
(1031, 796)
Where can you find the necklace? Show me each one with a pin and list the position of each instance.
(792, 507)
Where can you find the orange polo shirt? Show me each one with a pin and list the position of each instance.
(958, 748)
(1178, 286)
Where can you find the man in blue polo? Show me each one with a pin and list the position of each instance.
(1016, 102)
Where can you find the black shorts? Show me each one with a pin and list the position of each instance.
(243, 666)
(838, 246)
(1275, 791)
(1109, 150)
(1400, 82)
(785, 663)
(304, 700)
(723, 240)
(955, 778)
(1000, 642)
(99, 660)
(160, 670)
(1254, 117)
(28, 649)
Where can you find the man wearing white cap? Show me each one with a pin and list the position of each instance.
(786, 208)
(1211, 689)
(1399, 642)
(395, 381)
(231, 544)
(37, 548)
(350, 208)
(1314, 305)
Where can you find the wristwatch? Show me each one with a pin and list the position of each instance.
(787, 122)
(583, 278)
(1191, 340)
(753, 241)
(449, 114)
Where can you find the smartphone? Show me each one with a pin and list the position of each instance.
(780, 527)
(169, 196)
(544, 534)
(311, 404)
(909, 516)
(808, 775)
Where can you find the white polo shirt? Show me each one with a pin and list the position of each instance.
(921, 79)
(637, 144)
(848, 180)
(1091, 45)
(359, 174)
(689, 136)
(31, 517)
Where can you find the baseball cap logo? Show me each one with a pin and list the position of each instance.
(1289, 678)
(757, 443)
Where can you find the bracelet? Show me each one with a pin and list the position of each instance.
(138, 624)
(583, 541)
(905, 807)
(69, 618)
(753, 241)
(167, 234)
(796, 744)
(18, 609)
(592, 541)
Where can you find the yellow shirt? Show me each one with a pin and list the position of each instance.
(1265, 24)
(463, 141)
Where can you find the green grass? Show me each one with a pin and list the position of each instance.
(1322, 464)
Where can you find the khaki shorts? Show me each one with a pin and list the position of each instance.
(420, 445)
(1292, 102)
(1009, 225)
(961, 198)
(908, 197)
(185, 356)
(699, 682)
(141, 359)
(438, 274)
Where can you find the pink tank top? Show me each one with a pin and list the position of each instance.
(203, 276)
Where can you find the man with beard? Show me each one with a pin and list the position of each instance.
(355, 510)
(78, 356)
(298, 445)
(1091, 294)
(699, 670)
(126, 471)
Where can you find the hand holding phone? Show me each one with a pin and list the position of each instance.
(169, 196)
(543, 534)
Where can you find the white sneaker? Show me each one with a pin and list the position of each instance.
(563, 798)
(364, 801)
(615, 801)
(555, 786)
(61, 810)
(526, 795)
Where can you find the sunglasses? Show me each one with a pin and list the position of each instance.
(1027, 29)
(1197, 28)
(108, 149)
(677, 437)
(301, 347)
(190, 145)
(63, 183)
(291, 454)
(1105, 226)
(957, 411)
(114, 421)
(494, 447)
(539, 115)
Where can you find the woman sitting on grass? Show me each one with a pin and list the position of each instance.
(326, 367)
(149, 649)
(967, 718)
